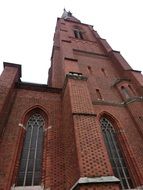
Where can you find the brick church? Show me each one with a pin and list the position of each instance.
(81, 131)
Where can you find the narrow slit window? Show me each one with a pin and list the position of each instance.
(104, 73)
(115, 154)
(99, 97)
(75, 34)
(89, 69)
(31, 158)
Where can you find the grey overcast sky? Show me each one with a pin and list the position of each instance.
(27, 29)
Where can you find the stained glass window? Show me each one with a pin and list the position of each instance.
(115, 154)
(31, 157)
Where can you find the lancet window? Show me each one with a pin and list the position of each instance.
(31, 158)
(115, 154)
(78, 34)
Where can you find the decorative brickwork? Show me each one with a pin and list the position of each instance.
(87, 80)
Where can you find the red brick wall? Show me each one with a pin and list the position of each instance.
(129, 138)
(72, 173)
(9, 76)
(103, 67)
(84, 140)
(73, 142)
(11, 145)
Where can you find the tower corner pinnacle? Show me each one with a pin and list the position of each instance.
(68, 16)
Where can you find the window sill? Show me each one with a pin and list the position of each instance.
(28, 188)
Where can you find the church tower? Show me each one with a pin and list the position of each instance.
(82, 131)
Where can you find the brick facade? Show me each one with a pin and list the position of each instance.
(87, 80)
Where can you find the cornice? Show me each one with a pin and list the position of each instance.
(119, 104)
(74, 76)
(37, 87)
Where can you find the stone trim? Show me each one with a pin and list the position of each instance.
(108, 103)
(95, 180)
(121, 80)
(76, 76)
(119, 104)
(39, 187)
(134, 99)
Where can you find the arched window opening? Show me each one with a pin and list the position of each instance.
(115, 154)
(125, 92)
(99, 97)
(103, 71)
(78, 34)
(31, 158)
(89, 69)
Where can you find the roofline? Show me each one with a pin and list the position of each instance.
(7, 64)
(74, 22)
(37, 87)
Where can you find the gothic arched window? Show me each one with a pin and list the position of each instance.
(116, 157)
(31, 157)
(125, 92)
(78, 34)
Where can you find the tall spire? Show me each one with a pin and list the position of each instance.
(68, 16)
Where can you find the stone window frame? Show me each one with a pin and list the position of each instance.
(34, 112)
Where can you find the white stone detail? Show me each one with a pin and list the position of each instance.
(28, 188)
(102, 179)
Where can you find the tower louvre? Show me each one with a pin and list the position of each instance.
(82, 131)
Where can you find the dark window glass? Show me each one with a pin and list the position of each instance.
(103, 71)
(99, 97)
(31, 157)
(89, 69)
(116, 157)
(78, 34)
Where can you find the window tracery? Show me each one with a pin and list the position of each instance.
(31, 158)
(115, 154)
